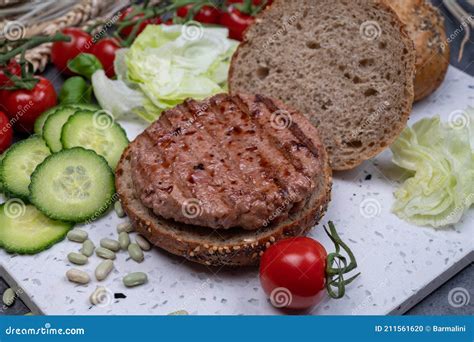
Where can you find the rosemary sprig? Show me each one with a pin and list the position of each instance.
(337, 266)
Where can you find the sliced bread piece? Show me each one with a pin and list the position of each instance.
(347, 65)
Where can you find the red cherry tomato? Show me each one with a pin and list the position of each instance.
(6, 132)
(24, 106)
(236, 21)
(206, 15)
(62, 52)
(128, 29)
(183, 11)
(292, 273)
(105, 50)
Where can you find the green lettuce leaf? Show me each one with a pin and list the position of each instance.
(164, 66)
(440, 160)
(116, 97)
(170, 67)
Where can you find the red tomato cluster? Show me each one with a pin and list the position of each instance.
(63, 52)
(127, 30)
(24, 106)
(206, 15)
(232, 18)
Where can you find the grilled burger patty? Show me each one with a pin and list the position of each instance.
(228, 161)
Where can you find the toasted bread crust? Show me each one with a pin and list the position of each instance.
(232, 247)
(344, 162)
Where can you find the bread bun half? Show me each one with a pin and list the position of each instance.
(347, 65)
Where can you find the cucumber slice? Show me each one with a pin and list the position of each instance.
(39, 123)
(19, 163)
(53, 126)
(25, 230)
(73, 185)
(41, 120)
(98, 132)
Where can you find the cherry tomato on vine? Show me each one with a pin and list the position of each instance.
(13, 68)
(206, 15)
(105, 50)
(236, 21)
(24, 106)
(6, 132)
(293, 273)
(62, 52)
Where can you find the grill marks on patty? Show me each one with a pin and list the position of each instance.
(225, 153)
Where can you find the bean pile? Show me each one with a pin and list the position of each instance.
(107, 250)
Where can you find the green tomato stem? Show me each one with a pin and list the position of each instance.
(336, 265)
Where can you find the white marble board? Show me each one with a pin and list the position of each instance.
(400, 263)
